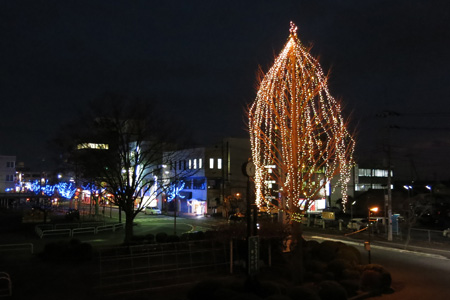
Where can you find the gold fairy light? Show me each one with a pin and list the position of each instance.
(296, 125)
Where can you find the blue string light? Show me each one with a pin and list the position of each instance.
(174, 190)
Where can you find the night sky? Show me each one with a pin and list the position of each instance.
(199, 59)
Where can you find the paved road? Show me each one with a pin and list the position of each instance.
(415, 275)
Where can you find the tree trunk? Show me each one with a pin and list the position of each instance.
(129, 218)
(296, 262)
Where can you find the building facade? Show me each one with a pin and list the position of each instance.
(363, 179)
(7, 173)
(216, 177)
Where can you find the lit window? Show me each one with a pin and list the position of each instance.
(365, 172)
(380, 173)
(211, 163)
(195, 163)
(92, 146)
(200, 163)
(190, 164)
(219, 163)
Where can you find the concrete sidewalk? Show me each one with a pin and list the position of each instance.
(439, 249)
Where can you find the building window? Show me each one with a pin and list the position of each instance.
(361, 187)
(214, 184)
(365, 172)
(198, 184)
(10, 164)
(190, 164)
(380, 173)
(9, 178)
(219, 163)
(373, 173)
(378, 186)
(93, 146)
(195, 163)
(211, 163)
(200, 163)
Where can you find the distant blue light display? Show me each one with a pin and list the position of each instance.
(174, 190)
(65, 190)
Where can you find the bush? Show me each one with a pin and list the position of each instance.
(150, 237)
(328, 250)
(84, 252)
(54, 251)
(161, 237)
(210, 234)
(203, 290)
(173, 239)
(337, 267)
(303, 293)
(331, 290)
(72, 251)
(137, 239)
(185, 237)
(198, 235)
(351, 286)
(223, 293)
(350, 254)
(375, 278)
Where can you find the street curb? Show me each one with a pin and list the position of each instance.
(386, 247)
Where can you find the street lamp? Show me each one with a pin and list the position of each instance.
(373, 210)
(367, 244)
(409, 189)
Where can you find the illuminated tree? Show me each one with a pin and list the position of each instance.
(298, 136)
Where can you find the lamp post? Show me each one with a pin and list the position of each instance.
(351, 210)
(367, 244)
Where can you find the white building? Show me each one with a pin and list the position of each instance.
(7, 173)
(216, 174)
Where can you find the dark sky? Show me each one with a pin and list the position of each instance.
(199, 59)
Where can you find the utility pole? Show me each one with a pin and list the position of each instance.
(386, 114)
(389, 204)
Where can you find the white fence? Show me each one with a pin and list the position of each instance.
(17, 248)
(148, 268)
(5, 285)
(71, 229)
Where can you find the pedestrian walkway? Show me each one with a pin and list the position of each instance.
(425, 247)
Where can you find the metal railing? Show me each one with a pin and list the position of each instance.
(5, 285)
(71, 229)
(137, 269)
(17, 247)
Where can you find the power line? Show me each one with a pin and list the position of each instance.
(419, 128)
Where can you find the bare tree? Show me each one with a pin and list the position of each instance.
(125, 145)
(298, 136)
(413, 209)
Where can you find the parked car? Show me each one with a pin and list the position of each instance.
(72, 214)
(152, 210)
(312, 219)
(357, 223)
(236, 218)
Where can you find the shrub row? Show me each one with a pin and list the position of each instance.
(71, 251)
(327, 270)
